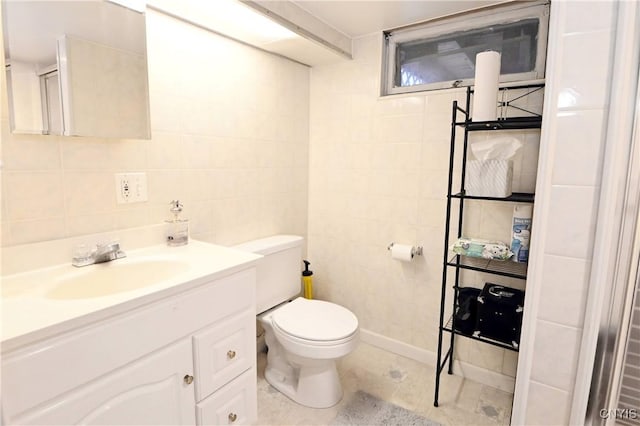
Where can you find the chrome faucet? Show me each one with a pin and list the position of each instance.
(104, 252)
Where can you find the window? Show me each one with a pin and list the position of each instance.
(441, 54)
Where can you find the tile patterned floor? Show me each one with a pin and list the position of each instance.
(401, 381)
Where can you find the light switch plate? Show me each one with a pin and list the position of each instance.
(131, 188)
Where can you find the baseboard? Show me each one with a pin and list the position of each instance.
(460, 368)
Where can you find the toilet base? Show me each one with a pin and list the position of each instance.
(314, 384)
(310, 382)
(303, 370)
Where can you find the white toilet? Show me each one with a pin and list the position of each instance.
(304, 337)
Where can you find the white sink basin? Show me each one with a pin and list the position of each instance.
(61, 297)
(113, 277)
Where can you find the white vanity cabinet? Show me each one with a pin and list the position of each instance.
(152, 390)
(185, 358)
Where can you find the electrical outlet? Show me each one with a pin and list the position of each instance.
(131, 188)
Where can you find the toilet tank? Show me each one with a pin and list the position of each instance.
(278, 272)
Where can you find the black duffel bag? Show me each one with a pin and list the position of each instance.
(466, 316)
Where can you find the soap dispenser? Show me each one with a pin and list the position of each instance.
(307, 280)
(178, 232)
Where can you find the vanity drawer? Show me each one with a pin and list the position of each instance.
(234, 404)
(223, 351)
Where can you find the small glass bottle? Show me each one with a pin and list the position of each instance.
(178, 229)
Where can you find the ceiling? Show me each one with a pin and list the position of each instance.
(353, 18)
(235, 20)
(360, 17)
(32, 27)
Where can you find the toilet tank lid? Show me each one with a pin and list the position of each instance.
(271, 244)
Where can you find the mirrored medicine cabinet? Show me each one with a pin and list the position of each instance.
(76, 68)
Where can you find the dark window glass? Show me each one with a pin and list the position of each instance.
(452, 56)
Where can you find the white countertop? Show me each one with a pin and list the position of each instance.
(29, 313)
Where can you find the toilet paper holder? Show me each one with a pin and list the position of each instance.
(415, 250)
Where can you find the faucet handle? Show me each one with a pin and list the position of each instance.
(82, 255)
(81, 250)
(109, 249)
(103, 252)
(108, 245)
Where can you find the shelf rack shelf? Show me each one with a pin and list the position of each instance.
(505, 268)
(449, 328)
(516, 197)
(515, 123)
(461, 119)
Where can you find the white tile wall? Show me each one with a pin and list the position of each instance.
(378, 173)
(579, 74)
(230, 140)
(599, 16)
(547, 406)
(563, 290)
(580, 59)
(548, 367)
(33, 195)
(579, 135)
(572, 210)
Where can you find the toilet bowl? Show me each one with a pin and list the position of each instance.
(304, 340)
(304, 337)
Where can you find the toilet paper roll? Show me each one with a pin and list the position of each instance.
(402, 252)
(485, 95)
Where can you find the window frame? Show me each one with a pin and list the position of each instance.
(467, 21)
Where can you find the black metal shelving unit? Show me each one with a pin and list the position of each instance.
(460, 118)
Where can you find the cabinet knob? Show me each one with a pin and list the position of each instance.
(188, 379)
(231, 354)
(233, 417)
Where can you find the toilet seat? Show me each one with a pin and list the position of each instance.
(311, 343)
(315, 322)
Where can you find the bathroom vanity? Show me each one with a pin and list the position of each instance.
(164, 336)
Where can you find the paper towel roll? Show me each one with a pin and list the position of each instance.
(402, 252)
(485, 95)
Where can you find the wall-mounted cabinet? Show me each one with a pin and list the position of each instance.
(76, 69)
